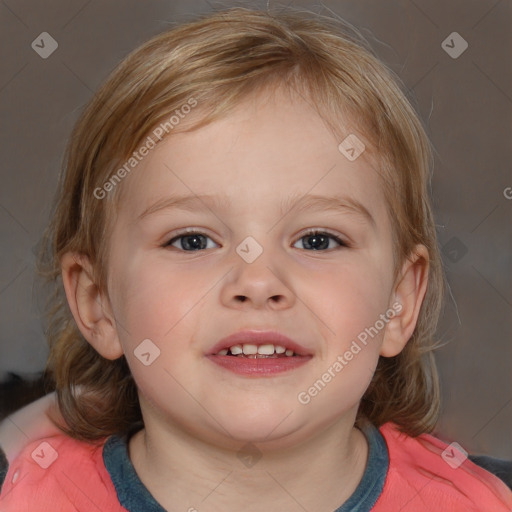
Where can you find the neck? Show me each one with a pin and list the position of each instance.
(183, 472)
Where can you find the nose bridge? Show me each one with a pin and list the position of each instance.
(259, 275)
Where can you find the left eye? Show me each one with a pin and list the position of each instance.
(191, 242)
(319, 241)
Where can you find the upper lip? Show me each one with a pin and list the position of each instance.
(255, 337)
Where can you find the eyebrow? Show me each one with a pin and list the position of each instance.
(298, 203)
(188, 202)
(327, 203)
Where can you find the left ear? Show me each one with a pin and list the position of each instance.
(408, 296)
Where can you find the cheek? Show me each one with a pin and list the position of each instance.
(150, 301)
(156, 310)
(345, 369)
(349, 299)
(350, 303)
(340, 383)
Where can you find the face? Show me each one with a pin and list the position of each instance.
(281, 232)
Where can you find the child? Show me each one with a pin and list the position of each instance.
(249, 257)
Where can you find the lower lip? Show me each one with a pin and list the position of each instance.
(259, 367)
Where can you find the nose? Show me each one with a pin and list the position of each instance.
(258, 285)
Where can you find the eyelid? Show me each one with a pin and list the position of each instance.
(184, 232)
(342, 240)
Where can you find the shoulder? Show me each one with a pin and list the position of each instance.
(57, 472)
(499, 467)
(426, 473)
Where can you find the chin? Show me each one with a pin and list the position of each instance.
(259, 424)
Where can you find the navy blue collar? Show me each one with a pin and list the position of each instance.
(134, 496)
(371, 485)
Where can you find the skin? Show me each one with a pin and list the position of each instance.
(198, 416)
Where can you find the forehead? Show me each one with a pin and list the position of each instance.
(273, 146)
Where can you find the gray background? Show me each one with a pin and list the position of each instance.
(466, 104)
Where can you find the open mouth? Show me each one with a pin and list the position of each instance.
(255, 353)
(252, 360)
(251, 351)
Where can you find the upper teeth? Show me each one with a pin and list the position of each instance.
(250, 349)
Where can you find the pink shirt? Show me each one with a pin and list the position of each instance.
(59, 474)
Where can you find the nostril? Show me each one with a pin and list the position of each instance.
(241, 298)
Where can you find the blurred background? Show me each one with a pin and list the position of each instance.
(454, 57)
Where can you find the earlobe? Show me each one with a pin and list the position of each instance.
(408, 297)
(90, 308)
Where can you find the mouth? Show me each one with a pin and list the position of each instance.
(252, 351)
(258, 353)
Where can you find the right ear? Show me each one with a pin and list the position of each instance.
(90, 308)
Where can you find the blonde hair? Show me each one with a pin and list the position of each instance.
(219, 60)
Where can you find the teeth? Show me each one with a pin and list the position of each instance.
(267, 350)
(251, 350)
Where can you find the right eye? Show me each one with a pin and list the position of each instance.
(191, 241)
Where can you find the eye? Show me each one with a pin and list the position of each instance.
(320, 241)
(191, 241)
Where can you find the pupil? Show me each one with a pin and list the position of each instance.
(316, 242)
(193, 242)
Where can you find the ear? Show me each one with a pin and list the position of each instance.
(409, 292)
(90, 308)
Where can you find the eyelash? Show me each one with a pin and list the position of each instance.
(312, 232)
